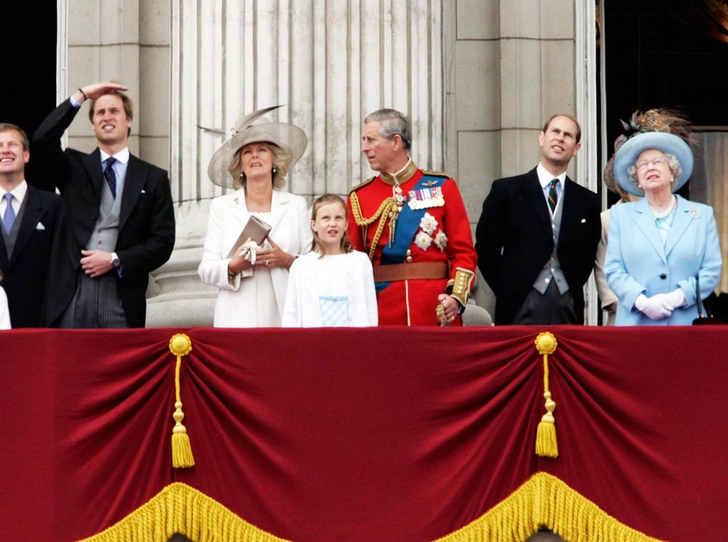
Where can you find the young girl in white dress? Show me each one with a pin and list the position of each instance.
(333, 285)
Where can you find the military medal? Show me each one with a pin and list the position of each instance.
(426, 198)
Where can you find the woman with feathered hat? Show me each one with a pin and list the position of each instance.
(253, 280)
(659, 119)
(659, 247)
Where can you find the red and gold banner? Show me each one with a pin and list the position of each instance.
(377, 434)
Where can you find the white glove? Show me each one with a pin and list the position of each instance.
(676, 299)
(655, 307)
(249, 250)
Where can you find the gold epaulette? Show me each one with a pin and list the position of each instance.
(361, 185)
(436, 173)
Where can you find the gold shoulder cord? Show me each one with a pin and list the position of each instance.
(386, 209)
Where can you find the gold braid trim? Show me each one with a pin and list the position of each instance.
(179, 508)
(544, 500)
(461, 285)
(385, 209)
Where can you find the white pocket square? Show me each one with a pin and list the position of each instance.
(40, 226)
(583, 220)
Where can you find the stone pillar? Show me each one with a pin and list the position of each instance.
(330, 62)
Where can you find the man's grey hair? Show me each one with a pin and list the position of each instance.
(392, 123)
(672, 162)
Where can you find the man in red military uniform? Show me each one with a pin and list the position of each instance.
(413, 225)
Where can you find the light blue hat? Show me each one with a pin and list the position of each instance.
(667, 143)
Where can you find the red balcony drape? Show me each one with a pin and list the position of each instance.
(375, 434)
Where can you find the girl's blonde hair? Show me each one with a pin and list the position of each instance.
(317, 245)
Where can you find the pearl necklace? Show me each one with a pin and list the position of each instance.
(662, 214)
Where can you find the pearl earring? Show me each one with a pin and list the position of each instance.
(274, 170)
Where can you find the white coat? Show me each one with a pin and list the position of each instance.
(291, 230)
(303, 308)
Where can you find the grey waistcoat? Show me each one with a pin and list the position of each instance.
(12, 236)
(106, 230)
(552, 270)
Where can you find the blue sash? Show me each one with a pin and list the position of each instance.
(408, 222)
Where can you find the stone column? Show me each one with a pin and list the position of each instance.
(331, 62)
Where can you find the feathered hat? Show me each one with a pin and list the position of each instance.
(654, 120)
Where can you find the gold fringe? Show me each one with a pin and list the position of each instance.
(546, 443)
(546, 501)
(182, 458)
(179, 508)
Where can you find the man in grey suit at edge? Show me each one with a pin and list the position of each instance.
(538, 233)
(118, 217)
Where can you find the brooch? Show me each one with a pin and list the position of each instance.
(694, 212)
(428, 223)
(423, 240)
(441, 240)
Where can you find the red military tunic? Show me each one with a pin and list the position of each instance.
(442, 235)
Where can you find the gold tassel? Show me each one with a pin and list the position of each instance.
(180, 345)
(546, 444)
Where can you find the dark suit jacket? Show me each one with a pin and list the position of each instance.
(514, 240)
(146, 222)
(26, 272)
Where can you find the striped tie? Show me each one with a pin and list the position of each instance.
(552, 195)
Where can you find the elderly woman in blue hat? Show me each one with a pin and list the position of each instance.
(659, 246)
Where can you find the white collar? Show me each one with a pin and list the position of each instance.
(545, 178)
(122, 156)
(18, 192)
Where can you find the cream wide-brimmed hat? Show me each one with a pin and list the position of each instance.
(254, 128)
(667, 143)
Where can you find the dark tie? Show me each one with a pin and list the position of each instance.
(9, 216)
(553, 198)
(110, 175)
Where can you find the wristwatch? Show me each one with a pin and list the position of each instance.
(115, 260)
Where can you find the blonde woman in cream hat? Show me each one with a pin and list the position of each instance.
(253, 282)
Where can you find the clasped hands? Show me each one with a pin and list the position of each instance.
(254, 255)
(660, 306)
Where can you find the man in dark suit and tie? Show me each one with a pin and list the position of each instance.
(538, 233)
(29, 219)
(118, 218)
